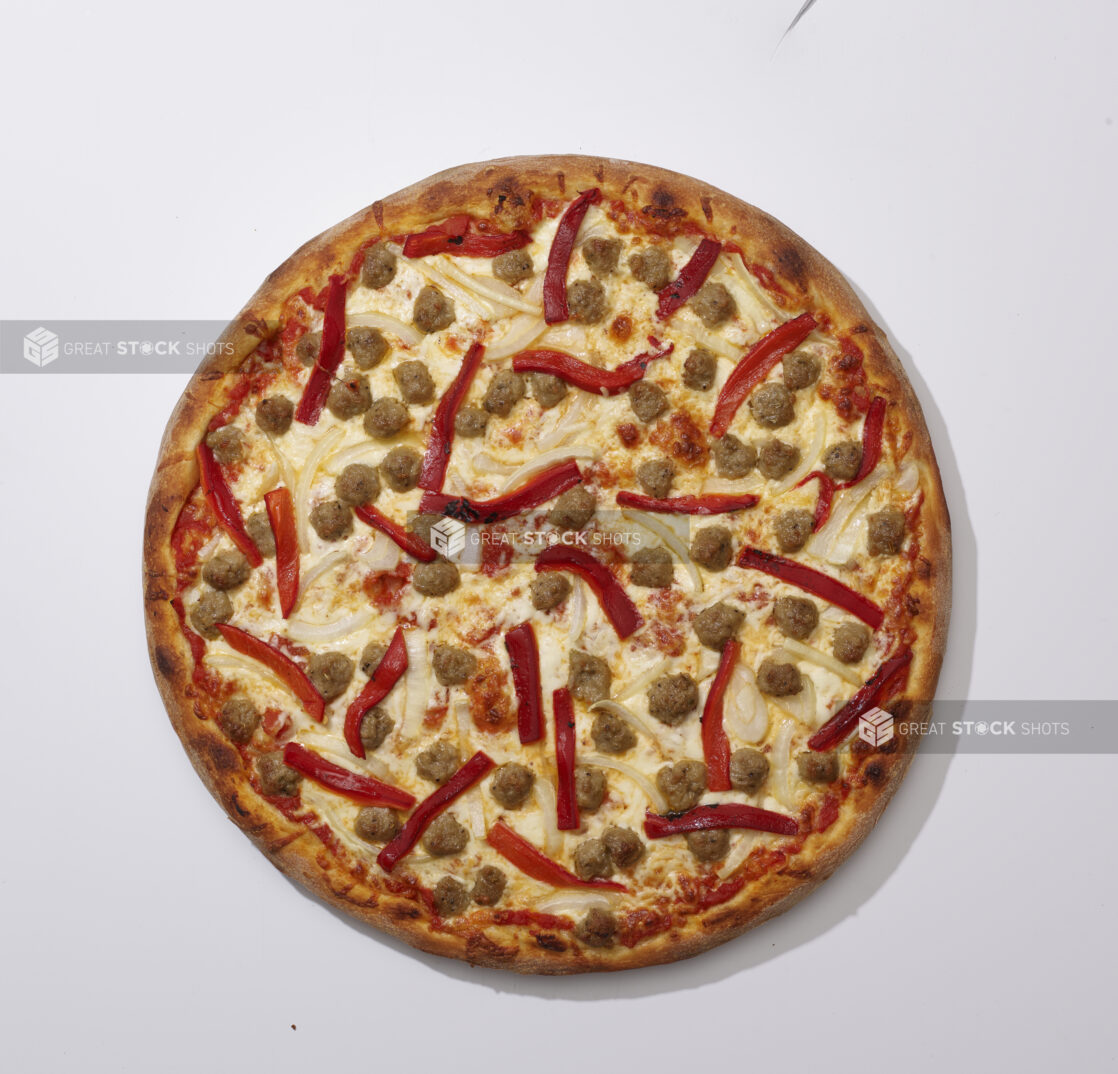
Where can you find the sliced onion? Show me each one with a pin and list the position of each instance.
(909, 478)
(484, 463)
(544, 460)
(483, 308)
(312, 574)
(801, 705)
(405, 333)
(568, 424)
(650, 789)
(574, 903)
(230, 661)
(383, 554)
(211, 545)
(489, 288)
(306, 479)
(462, 721)
(780, 761)
(734, 860)
(631, 718)
(521, 333)
(808, 458)
(824, 660)
(549, 816)
(567, 337)
(534, 294)
(673, 542)
(745, 713)
(322, 741)
(845, 504)
(415, 683)
(714, 343)
(641, 681)
(339, 461)
(576, 609)
(287, 476)
(301, 630)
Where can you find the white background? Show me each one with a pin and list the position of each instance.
(958, 161)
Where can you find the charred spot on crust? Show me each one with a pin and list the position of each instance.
(875, 772)
(791, 266)
(663, 206)
(404, 912)
(704, 201)
(549, 942)
(165, 661)
(479, 946)
(221, 756)
(235, 802)
(511, 202)
(561, 179)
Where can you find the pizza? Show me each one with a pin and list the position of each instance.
(550, 566)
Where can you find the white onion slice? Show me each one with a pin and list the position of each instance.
(734, 860)
(780, 760)
(641, 681)
(211, 545)
(462, 725)
(639, 778)
(301, 630)
(801, 705)
(714, 343)
(339, 461)
(745, 713)
(673, 542)
(824, 660)
(576, 609)
(543, 461)
(574, 903)
(630, 717)
(521, 333)
(287, 477)
(909, 478)
(549, 816)
(306, 479)
(489, 288)
(484, 463)
(326, 743)
(405, 333)
(473, 302)
(230, 661)
(843, 507)
(808, 458)
(415, 684)
(312, 574)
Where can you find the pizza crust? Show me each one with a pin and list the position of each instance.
(502, 190)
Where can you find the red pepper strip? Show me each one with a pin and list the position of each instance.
(330, 355)
(826, 495)
(224, 504)
(716, 746)
(539, 489)
(352, 785)
(516, 850)
(555, 307)
(755, 365)
(871, 442)
(411, 543)
(811, 581)
(392, 665)
(876, 690)
(437, 455)
(566, 798)
(586, 376)
(524, 656)
(711, 504)
(690, 279)
(281, 514)
(286, 668)
(620, 610)
(453, 236)
(722, 815)
(431, 806)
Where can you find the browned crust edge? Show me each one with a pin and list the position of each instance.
(501, 189)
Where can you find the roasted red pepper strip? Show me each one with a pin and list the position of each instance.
(826, 495)
(710, 504)
(411, 543)
(431, 806)
(716, 746)
(516, 850)
(352, 785)
(566, 797)
(555, 307)
(330, 355)
(812, 581)
(755, 365)
(286, 668)
(393, 664)
(454, 236)
(524, 656)
(871, 442)
(586, 376)
(437, 455)
(281, 514)
(691, 277)
(224, 504)
(537, 490)
(877, 689)
(620, 610)
(723, 815)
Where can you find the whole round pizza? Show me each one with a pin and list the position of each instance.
(550, 567)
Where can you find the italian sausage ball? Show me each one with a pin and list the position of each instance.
(512, 783)
(435, 579)
(598, 928)
(512, 267)
(400, 468)
(749, 768)
(239, 719)
(716, 625)
(349, 397)
(573, 509)
(547, 390)
(672, 697)
(647, 400)
(611, 734)
(590, 788)
(376, 725)
(470, 422)
(778, 679)
(652, 568)
(330, 673)
(733, 457)
(445, 836)
(712, 548)
(357, 484)
(415, 383)
(306, 350)
(451, 897)
(652, 267)
(841, 460)
(452, 666)
(378, 268)
(213, 607)
(549, 591)
(226, 444)
(586, 300)
(699, 370)
(489, 886)
(800, 370)
(655, 477)
(817, 767)
(886, 532)
(274, 414)
(276, 779)
(793, 528)
(772, 405)
(591, 859)
(226, 570)
(713, 304)
(777, 459)
(589, 678)
(438, 762)
(601, 255)
(260, 530)
(682, 784)
(332, 520)
(433, 311)
(367, 345)
(385, 418)
(795, 617)
(850, 642)
(710, 845)
(505, 390)
(376, 824)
